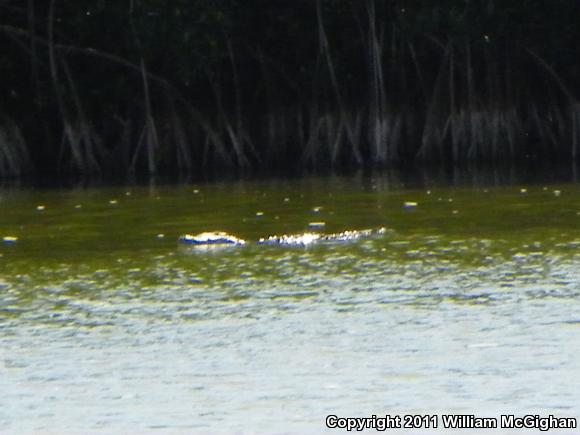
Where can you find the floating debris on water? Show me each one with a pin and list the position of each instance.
(286, 199)
(523, 191)
(78, 206)
(9, 240)
(160, 236)
(557, 192)
(41, 207)
(195, 191)
(113, 202)
(316, 209)
(259, 214)
(410, 204)
(316, 224)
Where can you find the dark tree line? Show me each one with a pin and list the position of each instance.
(151, 86)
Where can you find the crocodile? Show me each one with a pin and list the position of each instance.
(306, 239)
(211, 238)
(219, 238)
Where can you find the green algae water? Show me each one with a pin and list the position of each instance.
(468, 303)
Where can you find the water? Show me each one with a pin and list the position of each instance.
(469, 304)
